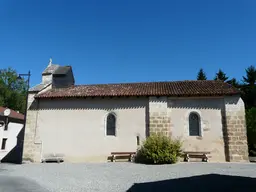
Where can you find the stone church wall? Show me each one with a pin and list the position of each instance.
(76, 128)
(222, 124)
(32, 146)
(159, 116)
(235, 134)
(31, 149)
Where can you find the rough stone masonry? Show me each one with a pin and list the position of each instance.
(235, 135)
(233, 121)
(159, 118)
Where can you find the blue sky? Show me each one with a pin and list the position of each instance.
(110, 41)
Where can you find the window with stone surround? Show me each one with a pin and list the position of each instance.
(194, 124)
(111, 125)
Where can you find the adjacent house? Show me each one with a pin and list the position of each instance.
(15, 116)
(11, 136)
(88, 122)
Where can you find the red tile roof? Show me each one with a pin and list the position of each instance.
(175, 88)
(13, 114)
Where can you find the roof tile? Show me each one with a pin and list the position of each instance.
(50, 69)
(13, 114)
(175, 88)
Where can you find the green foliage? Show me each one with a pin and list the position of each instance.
(250, 77)
(12, 90)
(159, 149)
(249, 95)
(221, 76)
(234, 83)
(252, 150)
(249, 87)
(251, 130)
(201, 75)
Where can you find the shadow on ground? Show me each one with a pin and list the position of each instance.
(19, 184)
(202, 183)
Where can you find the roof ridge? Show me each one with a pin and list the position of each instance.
(145, 82)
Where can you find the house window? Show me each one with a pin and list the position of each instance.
(111, 125)
(6, 124)
(194, 124)
(3, 143)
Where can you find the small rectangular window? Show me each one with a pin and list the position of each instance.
(3, 143)
(138, 140)
(5, 124)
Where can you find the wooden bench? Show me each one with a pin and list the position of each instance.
(130, 155)
(53, 157)
(196, 154)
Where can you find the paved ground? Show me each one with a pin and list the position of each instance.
(111, 177)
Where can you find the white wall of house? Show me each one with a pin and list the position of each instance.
(209, 110)
(11, 135)
(76, 128)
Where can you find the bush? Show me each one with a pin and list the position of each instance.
(251, 130)
(252, 150)
(159, 149)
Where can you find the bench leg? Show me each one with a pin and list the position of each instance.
(186, 159)
(131, 158)
(113, 158)
(205, 158)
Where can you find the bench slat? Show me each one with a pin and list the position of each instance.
(197, 152)
(122, 153)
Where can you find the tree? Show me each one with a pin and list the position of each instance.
(12, 90)
(220, 75)
(251, 130)
(201, 75)
(234, 83)
(249, 87)
(250, 77)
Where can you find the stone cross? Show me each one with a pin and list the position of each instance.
(50, 61)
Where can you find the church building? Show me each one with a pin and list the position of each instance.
(85, 123)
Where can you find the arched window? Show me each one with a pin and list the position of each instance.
(194, 124)
(111, 125)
